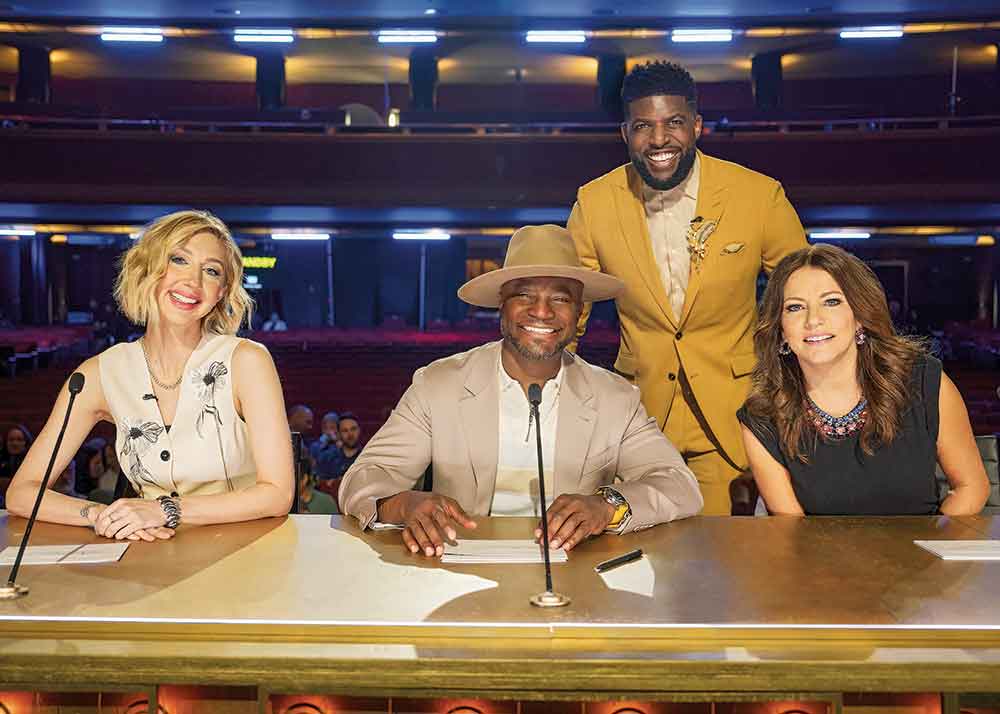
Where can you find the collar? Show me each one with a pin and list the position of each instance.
(508, 382)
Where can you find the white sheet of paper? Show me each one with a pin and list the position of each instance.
(962, 549)
(65, 554)
(636, 577)
(499, 551)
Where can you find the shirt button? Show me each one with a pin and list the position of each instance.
(671, 376)
(679, 335)
(165, 455)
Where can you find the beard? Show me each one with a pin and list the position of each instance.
(527, 352)
(684, 166)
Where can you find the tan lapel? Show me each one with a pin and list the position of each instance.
(480, 412)
(577, 419)
(635, 234)
(710, 207)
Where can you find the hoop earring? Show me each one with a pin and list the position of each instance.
(785, 349)
(860, 337)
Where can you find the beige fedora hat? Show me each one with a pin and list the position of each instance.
(540, 252)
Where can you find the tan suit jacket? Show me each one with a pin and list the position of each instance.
(712, 339)
(449, 417)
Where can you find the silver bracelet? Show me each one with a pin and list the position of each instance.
(171, 509)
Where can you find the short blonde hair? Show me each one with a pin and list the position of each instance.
(145, 263)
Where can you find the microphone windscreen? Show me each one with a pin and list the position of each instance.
(76, 383)
(534, 394)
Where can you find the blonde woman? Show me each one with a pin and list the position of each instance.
(201, 428)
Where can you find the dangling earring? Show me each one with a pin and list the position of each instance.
(860, 337)
(785, 349)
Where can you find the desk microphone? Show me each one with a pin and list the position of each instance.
(12, 591)
(547, 598)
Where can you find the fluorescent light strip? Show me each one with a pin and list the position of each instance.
(15, 231)
(263, 35)
(721, 35)
(839, 235)
(407, 36)
(300, 236)
(868, 33)
(565, 36)
(132, 34)
(434, 234)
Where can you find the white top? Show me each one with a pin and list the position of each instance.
(516, 492)
(668, 217)
(207, 448)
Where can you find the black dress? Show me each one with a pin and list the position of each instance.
(898, 479)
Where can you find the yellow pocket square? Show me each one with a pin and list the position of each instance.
(732, 248)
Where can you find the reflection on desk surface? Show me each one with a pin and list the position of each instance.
(709, 572)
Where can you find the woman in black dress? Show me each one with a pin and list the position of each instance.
(845, 416)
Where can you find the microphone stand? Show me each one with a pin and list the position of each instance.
(13, 591)
(547, 598)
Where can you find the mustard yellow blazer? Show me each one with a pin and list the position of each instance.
(754, 227)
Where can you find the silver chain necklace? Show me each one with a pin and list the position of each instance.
(152, 376)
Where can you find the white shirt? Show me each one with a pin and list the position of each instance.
(668, 217)
(516, 492)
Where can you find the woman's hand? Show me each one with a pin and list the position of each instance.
(134, 519)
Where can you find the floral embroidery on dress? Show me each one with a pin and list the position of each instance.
(139, 436)
(206, 379)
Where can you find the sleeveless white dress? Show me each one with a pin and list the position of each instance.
(207, 448)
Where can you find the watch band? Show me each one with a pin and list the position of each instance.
(623, 512)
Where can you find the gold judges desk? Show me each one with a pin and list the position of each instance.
(759, 606)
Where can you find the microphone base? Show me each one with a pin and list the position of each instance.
(549, 599)
(12, 591)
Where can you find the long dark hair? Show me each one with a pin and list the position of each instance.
(885, 360)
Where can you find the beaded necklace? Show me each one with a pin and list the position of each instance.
(837, 428)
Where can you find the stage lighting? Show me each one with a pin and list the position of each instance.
(132, 34)
(871, 33)
(263, 35)
(562, 36)
(428, 234)
(839, 235)
(407, 36)
(719, 35)
(300, 236)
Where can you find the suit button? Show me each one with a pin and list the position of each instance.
(165, 455)
(671, 376)
(679, 335)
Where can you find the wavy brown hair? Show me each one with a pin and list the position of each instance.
(885, 360)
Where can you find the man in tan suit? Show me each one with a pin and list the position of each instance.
(688, 235)
(606, 462)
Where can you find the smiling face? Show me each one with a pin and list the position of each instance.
(816, 320)
(194, 281)
(538, 315)
(661, 132)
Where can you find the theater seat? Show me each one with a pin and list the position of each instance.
(988, 450)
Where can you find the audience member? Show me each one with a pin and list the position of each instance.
(274, 324)
(15, 447)
(847, 417)
(325, 451)
(344, 457)
(89, 465)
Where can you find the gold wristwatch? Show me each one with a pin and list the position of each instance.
(623, 512)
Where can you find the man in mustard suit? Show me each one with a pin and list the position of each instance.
(688, 234)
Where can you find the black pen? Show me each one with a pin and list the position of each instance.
(620, 560)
